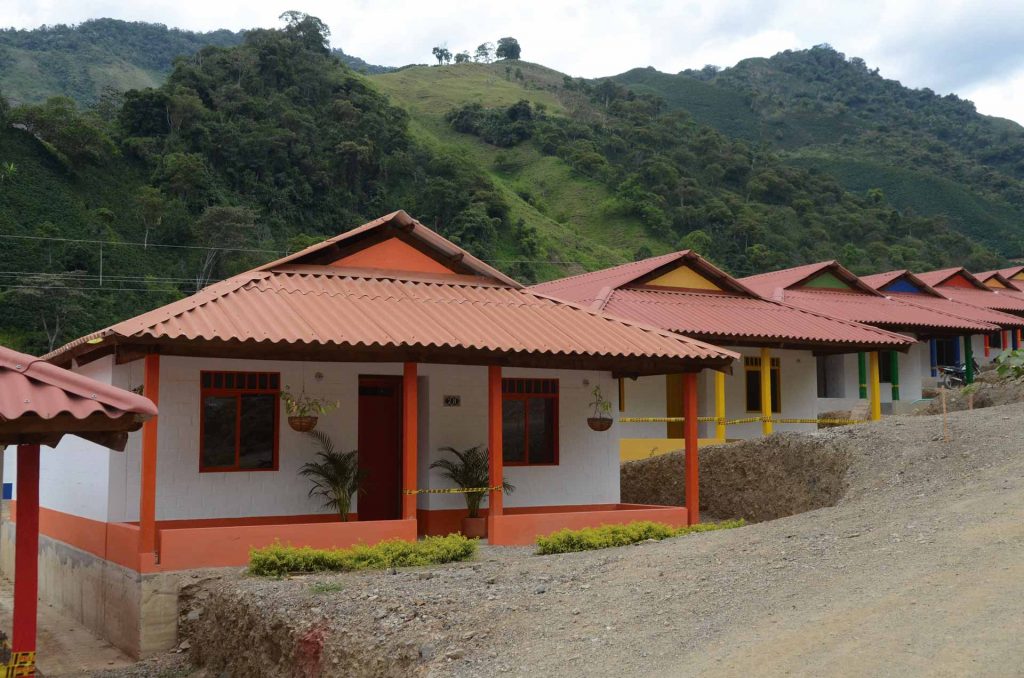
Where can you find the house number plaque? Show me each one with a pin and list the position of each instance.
(453, 401)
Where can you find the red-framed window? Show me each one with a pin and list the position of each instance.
(239, 421)
(529, 418)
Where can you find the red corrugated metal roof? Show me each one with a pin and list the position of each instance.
(962, 310)
(737, 315)
(32, 389)
(884, 311)
(767, 284)
(727, 316)
(305, 304)
(1008, 300)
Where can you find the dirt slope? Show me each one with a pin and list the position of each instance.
(919, 570)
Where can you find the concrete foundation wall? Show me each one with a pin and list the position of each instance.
(137, 613)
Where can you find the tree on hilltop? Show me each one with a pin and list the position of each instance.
(484, 53)
(442, 54)
(508, 48)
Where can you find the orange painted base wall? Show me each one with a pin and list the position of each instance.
(188, 544)
(521, 529)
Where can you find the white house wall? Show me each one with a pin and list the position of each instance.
(587, 472)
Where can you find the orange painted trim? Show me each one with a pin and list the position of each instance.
(147, 493)
(988, 348)
(691, 445)
(116, 542)
(189, 548)
(957, 280)
(394, 255)
(237, 393)
(410, 438)
(508, 393)
(521, 529)
(250, 521)
(440, 522)
(496, 461)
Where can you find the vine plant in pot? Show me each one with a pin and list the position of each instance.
(601, 421)
(303, 411)
(470, 469)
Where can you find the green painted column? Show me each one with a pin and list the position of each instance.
(969, 359)
(894, 367)
(862, 374)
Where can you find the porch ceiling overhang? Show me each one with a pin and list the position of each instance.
(40, 403)
(315, 313)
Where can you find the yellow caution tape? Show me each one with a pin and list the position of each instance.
(732, 422)
(454, 490)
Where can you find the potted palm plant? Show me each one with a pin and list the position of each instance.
(601, 421)
(336, 475)
(470, 469)
(303, 411)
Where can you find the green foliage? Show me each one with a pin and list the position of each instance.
(693, 187)
(1010, 363)
(278, 560)
(73, 137)
(607, 536)
(336, 475)
(818, 107)
(508, 48)
(327, 587)
(304, 405)
(470, 468)
(602, 407)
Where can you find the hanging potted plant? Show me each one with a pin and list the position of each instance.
(336, 475)
(601, 421)
(470, 469)
(303, 411)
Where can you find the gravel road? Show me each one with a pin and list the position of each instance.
(918, 570)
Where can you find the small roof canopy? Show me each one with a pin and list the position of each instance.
(685, 293)
(40, 403)
(828, 287)
(393, 290)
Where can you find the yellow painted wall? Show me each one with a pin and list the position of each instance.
(684, 277)
(632, 449)
(993, 282)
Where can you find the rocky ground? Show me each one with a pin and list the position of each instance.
(917, 570)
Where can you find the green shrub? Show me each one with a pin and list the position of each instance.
(606, 536)
(278, 560)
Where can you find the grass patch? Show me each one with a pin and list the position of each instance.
(326, 587)
(278, 560)
(607, 536)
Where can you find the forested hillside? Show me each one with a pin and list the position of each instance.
(113, 204)
(99, 57)
(243, 154)
(934, 155)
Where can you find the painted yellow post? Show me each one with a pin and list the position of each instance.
(874, 387)
(766, 391)
(720, 405)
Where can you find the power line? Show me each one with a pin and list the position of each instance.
(142, 244)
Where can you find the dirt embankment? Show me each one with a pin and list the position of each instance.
(758, 479)
(988, 391)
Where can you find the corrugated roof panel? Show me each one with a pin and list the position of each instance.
(883, 310)
(30, 386)
(742, 318)
(331, 308)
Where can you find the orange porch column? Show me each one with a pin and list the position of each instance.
(495, 467)
(147, 493)
(691, 481)
(410, 437)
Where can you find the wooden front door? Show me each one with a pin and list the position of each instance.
(380, 447)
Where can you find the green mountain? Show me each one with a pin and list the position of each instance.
(99, 56)
(110, 205)
(928, 154)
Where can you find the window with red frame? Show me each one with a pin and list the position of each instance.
(529, 417)
(238, 421)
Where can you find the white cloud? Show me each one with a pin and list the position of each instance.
(973, 49)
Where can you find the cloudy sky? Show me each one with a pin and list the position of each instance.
(975, 49)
